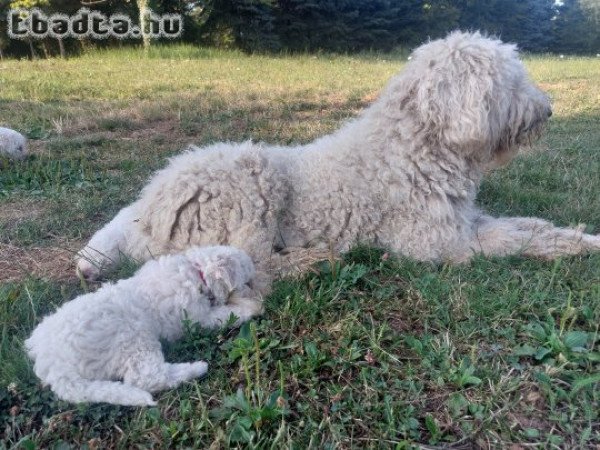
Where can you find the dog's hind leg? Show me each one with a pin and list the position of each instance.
(79, 390)
(527, 236)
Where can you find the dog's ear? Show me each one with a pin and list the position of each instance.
(452, 93)
(173, 197)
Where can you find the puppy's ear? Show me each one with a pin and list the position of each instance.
(221, 279)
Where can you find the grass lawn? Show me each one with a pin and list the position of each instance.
(370, 351)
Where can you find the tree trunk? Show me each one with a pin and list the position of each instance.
(85, 44)
(61, 47)
(143, 7)
(32, 49)
(45, 49)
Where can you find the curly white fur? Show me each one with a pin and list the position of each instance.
(113, 333)
(403, 175)
(12, 144)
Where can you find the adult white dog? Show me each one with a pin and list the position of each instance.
(113, 333)
(403, 175)
(12, 144)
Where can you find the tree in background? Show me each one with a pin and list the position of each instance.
(4, 41)
(591, 7)
(569, 26)
(440, 16)
(245, 24)
(525, 22)
(334, 25)
(30, 4)
(142, 6)
(65, 7)
(193, 12)
(576, 27)
(351, 25)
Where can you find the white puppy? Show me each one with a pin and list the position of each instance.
(12, 144)
(113, 334)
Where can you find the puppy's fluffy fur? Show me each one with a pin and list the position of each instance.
(403, 175)
(113, 334)
(12, 144)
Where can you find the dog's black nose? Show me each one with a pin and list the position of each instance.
(549, 112)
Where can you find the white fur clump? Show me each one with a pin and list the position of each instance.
(97, 339)
(12, 144)
(403, 175)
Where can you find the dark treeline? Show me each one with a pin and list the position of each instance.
(570, 26)
(354, 25)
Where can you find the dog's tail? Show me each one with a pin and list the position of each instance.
(80, 390)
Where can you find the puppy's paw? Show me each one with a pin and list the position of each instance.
(596, 242)
(149, 401)
(245, 308)
(255, 307)
(138, 398)
(198, 369)
(590, 242)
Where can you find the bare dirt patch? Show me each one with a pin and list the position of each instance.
(14, 212)
(52, 262)
(167, 130)
(36, 147)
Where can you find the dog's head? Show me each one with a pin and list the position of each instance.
(469, 95)
(221, 270)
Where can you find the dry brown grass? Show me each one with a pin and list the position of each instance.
(50, 263)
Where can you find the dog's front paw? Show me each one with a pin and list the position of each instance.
(87, 269)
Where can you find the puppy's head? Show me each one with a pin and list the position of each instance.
(12, 144)
(469, 95)
(221, 271)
